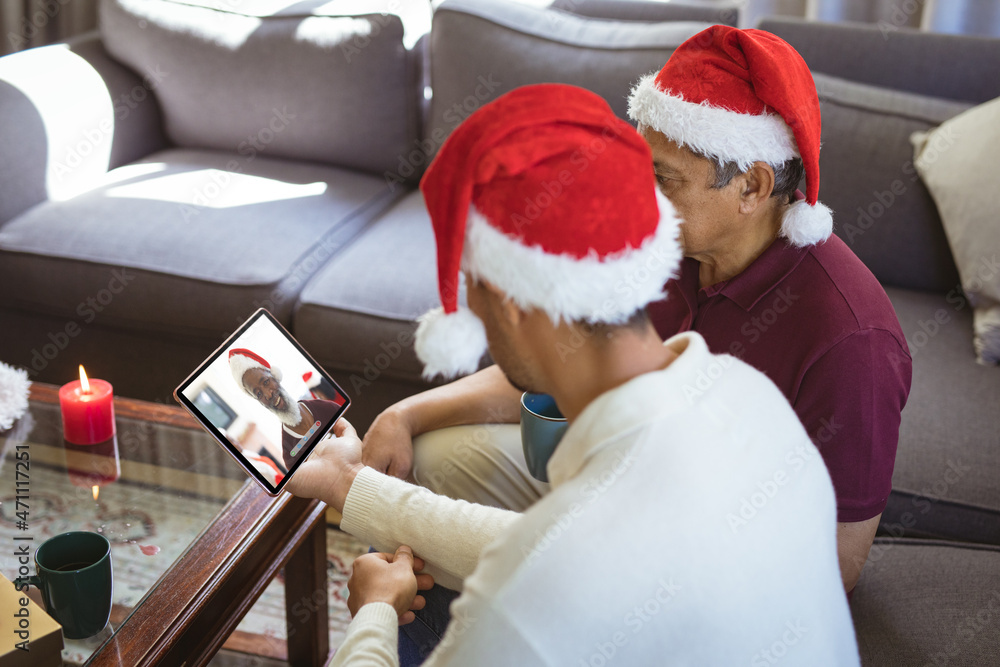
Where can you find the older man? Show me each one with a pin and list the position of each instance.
(631, 555)
(733, 122)
(299, 419)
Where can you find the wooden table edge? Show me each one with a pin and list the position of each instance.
(160, 413)
(254, 534)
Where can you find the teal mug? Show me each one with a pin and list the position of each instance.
(73, 572)
(542, 427)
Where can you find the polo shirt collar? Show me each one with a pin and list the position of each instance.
(630, 406)
(764, 274)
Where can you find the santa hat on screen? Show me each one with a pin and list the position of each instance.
(241, 360)
(312, 380)
(548, 196)
(742, 96)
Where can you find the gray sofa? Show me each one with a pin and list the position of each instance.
(162, 180)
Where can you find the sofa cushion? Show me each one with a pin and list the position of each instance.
(957, 162)
(482, 49)
(358, 315)
(948, 461)
(185, 241)
(925, 603)
(881, 208)
(304, 82)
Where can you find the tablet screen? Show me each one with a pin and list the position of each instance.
(264, 399)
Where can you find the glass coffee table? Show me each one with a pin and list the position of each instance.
(194, 542)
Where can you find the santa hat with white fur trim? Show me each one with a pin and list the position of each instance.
(742, 96)
(548, 196)
(242, 360)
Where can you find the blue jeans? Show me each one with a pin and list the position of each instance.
(418, 639)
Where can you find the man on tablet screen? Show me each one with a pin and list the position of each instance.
(299, 419)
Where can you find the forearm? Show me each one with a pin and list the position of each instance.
(371, 638)
(485, 397)
(854, 541)
(448, 534)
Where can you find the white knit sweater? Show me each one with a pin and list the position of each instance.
(691, 522)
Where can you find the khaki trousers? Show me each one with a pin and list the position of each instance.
(482, 463)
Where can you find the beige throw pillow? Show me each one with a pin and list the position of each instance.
(959, 162)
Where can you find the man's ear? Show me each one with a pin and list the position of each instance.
(509, 310)
(756, 186)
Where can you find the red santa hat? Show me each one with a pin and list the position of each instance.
(742, 96)
(241, 360)
(551, 198)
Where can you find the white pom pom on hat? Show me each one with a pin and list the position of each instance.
(805, 225)
(450, 345)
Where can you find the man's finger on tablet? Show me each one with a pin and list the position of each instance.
(344, 428)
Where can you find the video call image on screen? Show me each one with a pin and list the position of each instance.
(266, 398)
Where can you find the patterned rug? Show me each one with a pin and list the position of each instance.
(149, 529)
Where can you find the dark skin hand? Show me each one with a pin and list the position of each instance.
(389, 578)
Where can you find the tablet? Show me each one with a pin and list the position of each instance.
(264, 399)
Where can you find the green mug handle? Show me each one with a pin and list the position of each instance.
(22, 582)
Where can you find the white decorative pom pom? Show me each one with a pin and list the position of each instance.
(450, 345)
(276, 373)
(805, 225)
(14, 385)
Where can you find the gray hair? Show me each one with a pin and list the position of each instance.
(787, 176)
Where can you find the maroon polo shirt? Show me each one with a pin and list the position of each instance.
(817, 322)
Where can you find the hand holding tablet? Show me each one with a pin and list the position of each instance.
(264, 399)
(330, 471)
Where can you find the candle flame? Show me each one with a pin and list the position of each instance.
(85, 385)
(96, 490)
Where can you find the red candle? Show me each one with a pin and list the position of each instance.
(88, 410)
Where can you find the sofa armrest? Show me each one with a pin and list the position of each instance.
(641, 10)
(70, 114)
